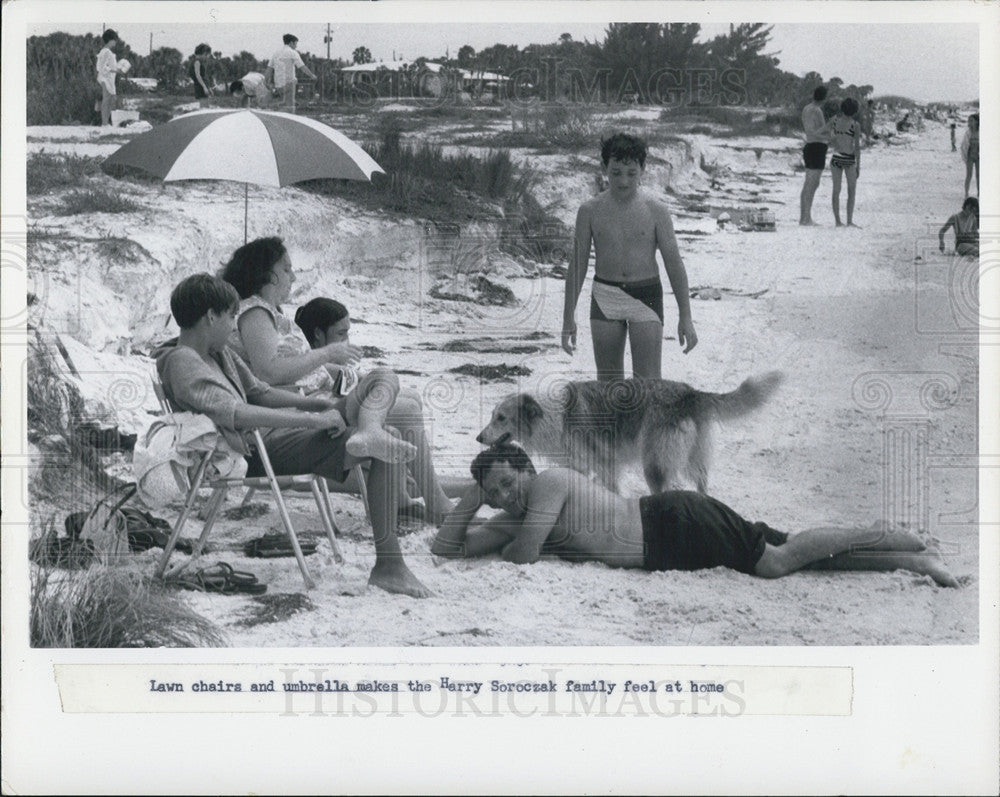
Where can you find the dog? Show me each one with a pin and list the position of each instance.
(598, 428)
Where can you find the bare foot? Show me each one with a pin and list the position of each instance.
(381, 445)
(395, 577)
(855, 226)
(931, 564)
(808, 223)
(893, 537)
(838, 224)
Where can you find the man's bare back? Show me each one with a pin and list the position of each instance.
(593, 524)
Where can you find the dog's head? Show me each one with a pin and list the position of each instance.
(514, 418)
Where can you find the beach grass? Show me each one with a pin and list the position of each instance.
(109, 606)
(45, 171)
(96, 200)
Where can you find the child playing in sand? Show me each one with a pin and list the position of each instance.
(970, 151)
(966, 224)
(626, 227)
(846, 159)
(302, 434)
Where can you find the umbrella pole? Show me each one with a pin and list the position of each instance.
(246, 204)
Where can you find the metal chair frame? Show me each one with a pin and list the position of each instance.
(270, 481)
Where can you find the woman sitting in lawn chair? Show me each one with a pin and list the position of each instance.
(279, 353)
(300, 434)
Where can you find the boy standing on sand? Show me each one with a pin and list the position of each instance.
(626, 228)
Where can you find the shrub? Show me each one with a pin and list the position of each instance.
(96, 200)
(45, 171)
(112, 607)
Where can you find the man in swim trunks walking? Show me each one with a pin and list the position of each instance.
(561, 511)
(814, 152)
(626, 227)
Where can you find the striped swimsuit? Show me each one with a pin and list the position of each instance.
(843, 139)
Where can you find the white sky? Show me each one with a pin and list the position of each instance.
(928, 61)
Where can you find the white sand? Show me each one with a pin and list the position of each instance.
(844, 310)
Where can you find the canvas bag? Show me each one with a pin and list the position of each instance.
(106, 527)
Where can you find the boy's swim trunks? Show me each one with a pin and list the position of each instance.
(683, 530)
(632, 302)
(814, 155)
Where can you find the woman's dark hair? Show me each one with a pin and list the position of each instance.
(623, 147)
(108, 35)
(849, 106)
(513, 455)
(971, 202)
(202, 49)
(319, 314)
(250, 267)
(819, 94)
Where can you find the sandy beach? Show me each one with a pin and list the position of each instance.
(873, 328)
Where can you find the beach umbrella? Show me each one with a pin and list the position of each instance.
(246, 146)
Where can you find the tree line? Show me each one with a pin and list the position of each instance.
(648, 63)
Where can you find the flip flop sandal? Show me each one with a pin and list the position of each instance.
(274, 545)
(220, 578)
(241, 578)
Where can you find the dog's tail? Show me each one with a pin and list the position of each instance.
(752, 394)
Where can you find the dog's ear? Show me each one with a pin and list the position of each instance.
(529, 411)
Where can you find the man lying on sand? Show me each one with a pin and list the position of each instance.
(561, 511)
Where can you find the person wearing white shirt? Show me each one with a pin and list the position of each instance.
(107, 71)
(281, 70)
(251, 90)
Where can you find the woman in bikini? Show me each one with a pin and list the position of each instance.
(846, 159)
(966, 224)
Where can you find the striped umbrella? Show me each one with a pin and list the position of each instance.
(247, 146)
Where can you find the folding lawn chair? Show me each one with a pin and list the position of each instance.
(220, 486)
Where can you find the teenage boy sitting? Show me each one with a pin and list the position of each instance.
(302, 435)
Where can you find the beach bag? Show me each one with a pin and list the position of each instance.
(104, 527)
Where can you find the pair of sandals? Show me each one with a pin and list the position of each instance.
(220, 578)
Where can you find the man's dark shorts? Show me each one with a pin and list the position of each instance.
(814, 155)
(684, 530)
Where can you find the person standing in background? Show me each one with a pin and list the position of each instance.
(970, 152)
(199, 73)
(107, 71)
(281, 70)
(814, 152)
